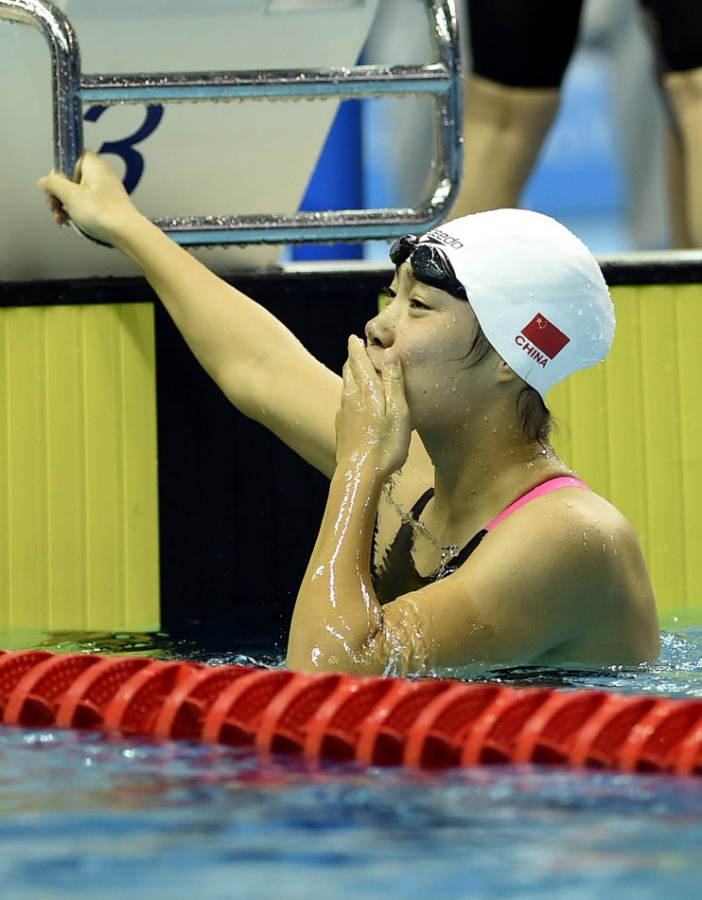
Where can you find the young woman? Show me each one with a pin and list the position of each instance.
(453, 535)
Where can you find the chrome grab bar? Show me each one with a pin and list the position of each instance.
(441, 79)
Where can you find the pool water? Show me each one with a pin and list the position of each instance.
(84, 815)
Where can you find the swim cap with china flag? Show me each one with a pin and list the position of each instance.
(536, 290)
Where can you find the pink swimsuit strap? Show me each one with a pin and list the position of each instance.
(553, 484)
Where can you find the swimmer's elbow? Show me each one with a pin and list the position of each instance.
(396, 646)
(400, 643)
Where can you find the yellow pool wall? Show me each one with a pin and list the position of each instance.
(79, 521)
(631, 429)
(78, 460)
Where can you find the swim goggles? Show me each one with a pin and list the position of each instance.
(429, 263)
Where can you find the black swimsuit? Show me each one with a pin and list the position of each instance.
(529, 43)
(397, 574)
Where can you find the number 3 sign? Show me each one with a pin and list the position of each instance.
(125, 148)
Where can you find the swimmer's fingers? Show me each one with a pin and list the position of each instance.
(90, 169)
(374, 416)
(351, 372)
(350, 387)
(61, 189)
(396, 412)
(58, 191)
(394, 387)
(59, 213)
(64, 201)
(360, 420)
(62, 195)
(362, 372)
(90, 202)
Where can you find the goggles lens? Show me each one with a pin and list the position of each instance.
(429, 263)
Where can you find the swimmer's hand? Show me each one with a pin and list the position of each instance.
(96, 202)
(373, 422)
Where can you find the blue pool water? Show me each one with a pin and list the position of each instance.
(88, 816)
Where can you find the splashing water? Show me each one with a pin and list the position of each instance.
(420, 530)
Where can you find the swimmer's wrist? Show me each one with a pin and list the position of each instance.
(129, 232)
(367, 463)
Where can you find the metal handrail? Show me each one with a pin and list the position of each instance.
(71, 89)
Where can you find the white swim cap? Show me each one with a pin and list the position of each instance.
(536, 290)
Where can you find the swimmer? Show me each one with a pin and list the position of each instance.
(453, 535)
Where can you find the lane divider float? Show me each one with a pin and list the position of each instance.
(425, 723)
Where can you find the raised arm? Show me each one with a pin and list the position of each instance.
(256, 361)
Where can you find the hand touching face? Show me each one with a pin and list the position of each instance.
(430, 333)
(373, 421)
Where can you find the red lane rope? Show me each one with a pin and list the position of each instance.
(427, 723)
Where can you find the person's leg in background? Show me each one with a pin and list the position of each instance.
(677, 29)
(520, 51)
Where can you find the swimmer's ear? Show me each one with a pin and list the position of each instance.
(505, 372)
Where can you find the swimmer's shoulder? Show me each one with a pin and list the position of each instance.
(593, 574)
(562, 579)
(574, 524)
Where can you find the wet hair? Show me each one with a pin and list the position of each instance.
(534, 415)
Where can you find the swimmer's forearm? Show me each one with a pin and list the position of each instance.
(337, 613)
(256, 361)
(222, 325)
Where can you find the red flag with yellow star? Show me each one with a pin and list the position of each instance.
(545, 336)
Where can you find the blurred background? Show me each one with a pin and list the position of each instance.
(601, 170)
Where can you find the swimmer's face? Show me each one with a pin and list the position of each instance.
(430, 332)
